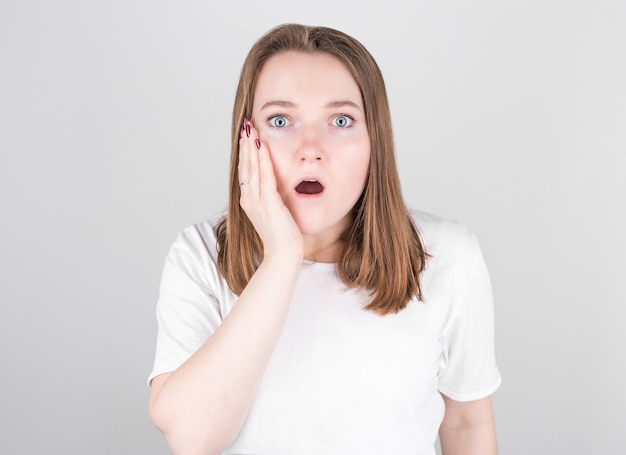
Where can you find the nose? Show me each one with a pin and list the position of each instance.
(310, 147)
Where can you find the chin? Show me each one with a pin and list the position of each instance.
(308, 228)
(316, 226)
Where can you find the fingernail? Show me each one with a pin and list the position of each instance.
(258, 143)
(248, 130)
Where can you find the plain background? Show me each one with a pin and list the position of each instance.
(114, 135)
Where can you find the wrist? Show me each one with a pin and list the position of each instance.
(284, 256)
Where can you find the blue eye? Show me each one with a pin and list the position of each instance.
(342, 121)
(278, 121)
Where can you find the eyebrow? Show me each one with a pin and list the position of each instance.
(332, 104)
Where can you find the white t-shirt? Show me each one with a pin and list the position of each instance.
(343, 380)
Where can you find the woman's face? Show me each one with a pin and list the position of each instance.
(309, 111)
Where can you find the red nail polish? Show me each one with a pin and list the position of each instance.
(258, 143)
(248, 130)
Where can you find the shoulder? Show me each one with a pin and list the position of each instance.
(199, 236)
(447, 241)
(196, 243)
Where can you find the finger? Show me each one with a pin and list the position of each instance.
(252, 156)
(266, 169)
(246, 158)
(243, 169)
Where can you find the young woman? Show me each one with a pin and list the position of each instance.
(319, 315)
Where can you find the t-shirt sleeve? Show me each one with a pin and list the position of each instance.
(188, 311)
(468, 369)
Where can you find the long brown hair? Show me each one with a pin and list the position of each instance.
(382, 250)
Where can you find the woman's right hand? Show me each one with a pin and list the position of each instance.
(202, 405)
(260, 199)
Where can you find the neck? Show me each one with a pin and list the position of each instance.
(322, 252)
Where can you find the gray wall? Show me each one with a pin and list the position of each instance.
(114, 120)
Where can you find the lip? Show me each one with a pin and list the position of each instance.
(312, 196)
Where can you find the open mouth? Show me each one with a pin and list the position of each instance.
(309, 187)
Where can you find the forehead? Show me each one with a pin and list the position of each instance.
(297, 75)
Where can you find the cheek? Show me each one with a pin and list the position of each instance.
(362, 178)
(362, 167)
(279, 165)
(360, 162)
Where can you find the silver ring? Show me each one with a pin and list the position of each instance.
(243, 183)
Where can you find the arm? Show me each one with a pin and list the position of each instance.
(202, 405)
(468, 428)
